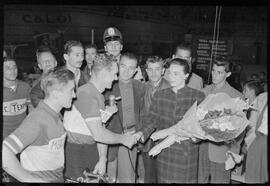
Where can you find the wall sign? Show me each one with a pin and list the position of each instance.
(204, 50)
(49, 19)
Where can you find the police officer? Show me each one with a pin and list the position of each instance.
(113, 42)
(113, 45)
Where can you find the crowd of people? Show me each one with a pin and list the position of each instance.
(100, 118)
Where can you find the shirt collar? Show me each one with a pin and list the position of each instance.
(124, 83)
(226, 84)
(179, 90)
(12, 88)
(44, 106)
(156, 84)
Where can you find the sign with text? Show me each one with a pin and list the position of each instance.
(206, 47)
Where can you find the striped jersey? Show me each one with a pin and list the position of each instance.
(40, 139)
(14, 106)
(87, 107)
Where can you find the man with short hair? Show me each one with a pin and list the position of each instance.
(87, 138)
(121, 160)
(41, 136)
(73, 55)
(113, 42)
(15, 97)
(185, 52)
(90, 53)
(46, 61)
(113, 45)
(155, 71)
(213, 155)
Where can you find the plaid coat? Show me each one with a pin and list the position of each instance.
(179, 162)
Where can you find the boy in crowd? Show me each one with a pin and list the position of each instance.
(184, 52)
(73, 55)
(87, 138)
(213, 155)
(41, 136)
(113, 45)
(179, 162)
(46, 61)
(122, 161)
(90, 53)
(15, 98)
(154, 70)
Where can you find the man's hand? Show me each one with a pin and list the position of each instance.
(138, 136)
(129, 140)
(111, 109)
(100, 167)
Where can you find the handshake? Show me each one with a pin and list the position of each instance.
(131, 138)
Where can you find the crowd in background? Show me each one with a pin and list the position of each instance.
(153, 97)
(237, 79)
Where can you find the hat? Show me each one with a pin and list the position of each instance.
(112, 34)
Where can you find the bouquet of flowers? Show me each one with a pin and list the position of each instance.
(218, 118)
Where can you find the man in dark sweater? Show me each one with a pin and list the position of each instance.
(121, 160)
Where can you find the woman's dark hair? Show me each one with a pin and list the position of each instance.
(254, 85)
(181, 62)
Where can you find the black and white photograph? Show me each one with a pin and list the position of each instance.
(95, 94)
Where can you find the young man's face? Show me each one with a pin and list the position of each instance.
(155, 71)
(248, 93)
(46, 61)
(176, 75)
(113, 47)
(75, 57)
(90, 54)
(109, 76)
(66, 94)
(219, 74)
(10, 70)
(127, 68)
(183, 54)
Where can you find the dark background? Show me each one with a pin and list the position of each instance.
(147, 30)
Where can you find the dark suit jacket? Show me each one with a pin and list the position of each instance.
(115, 122)
(82, 79)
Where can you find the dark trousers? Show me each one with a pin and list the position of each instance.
(150, 168)
(211, 172)
(78, 157)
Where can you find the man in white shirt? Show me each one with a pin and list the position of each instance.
(74, 55)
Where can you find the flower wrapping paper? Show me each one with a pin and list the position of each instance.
(222, 127)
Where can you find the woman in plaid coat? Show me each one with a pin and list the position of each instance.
(179, 162)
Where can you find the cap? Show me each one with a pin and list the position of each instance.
(112, 34)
